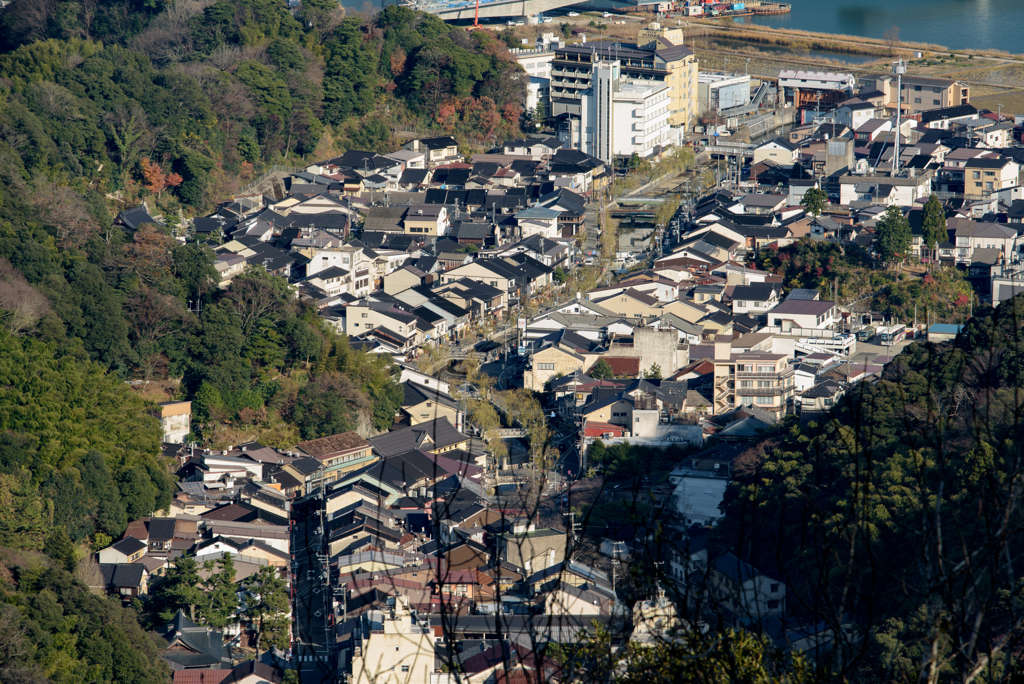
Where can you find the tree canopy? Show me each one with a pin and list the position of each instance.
(893, 237)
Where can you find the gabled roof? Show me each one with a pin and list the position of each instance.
(755, 292)
(133, 218)
(433, 434)
(128, 546)
(202, 647)
(622, 365)
(335, 444)
(118, 575)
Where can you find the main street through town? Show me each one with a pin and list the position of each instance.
(311, 593)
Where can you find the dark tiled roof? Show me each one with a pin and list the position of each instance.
(334, 444)
(129, 545)
(431, 435)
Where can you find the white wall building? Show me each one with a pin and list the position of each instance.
(622, 118)
(394, 648)
(538, 94)
(537, 62)
(716, 92)
(816, 80)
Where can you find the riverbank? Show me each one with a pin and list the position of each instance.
(829, 42)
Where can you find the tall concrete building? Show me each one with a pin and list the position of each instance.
(660, 61)
(620, 118)
(681, 64)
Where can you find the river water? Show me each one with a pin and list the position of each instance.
(957, 24)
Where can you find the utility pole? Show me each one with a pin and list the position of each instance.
(899, 68)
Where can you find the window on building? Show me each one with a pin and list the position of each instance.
(764, 400)
(766, 369)
(917, 88)
(936, 102)
(976, 174)
(741, 304)
(917, 100)
(547, 366)
(774, 588)
(405, 668)
(772, 605)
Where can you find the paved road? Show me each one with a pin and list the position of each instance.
(312, 603)
(867, 353)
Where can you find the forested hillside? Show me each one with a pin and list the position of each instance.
(185, 100)
(900, 515)
(105, 104)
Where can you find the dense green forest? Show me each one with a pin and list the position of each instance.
(182, 101)
(901, 512)
(53, 629)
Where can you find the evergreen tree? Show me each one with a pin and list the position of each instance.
(59, 547)
(266, 599)
(182, 588)
(602, 370)
(933, 226)
(814, 202)
(221, 592)
(25, 517)
(654, 372)
(893, 237)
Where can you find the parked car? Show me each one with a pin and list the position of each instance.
(607, 14)
(574, 14)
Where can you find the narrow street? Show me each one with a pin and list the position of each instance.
(311, 596)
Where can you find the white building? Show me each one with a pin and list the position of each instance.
(537, 62)
(538, 94)
(699, 490)
(717, 91)
(622, 118)
(176, 420)
(816, 80)
(746, 591)
(394, 648)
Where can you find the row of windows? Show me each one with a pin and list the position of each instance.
(757, 400)
(546, 366)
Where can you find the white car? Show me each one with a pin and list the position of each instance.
(607, 14)
(513, 22)
(548, 20)
(574, 14)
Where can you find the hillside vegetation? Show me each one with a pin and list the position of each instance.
(900, 514)
(182, 101)
(943, 294)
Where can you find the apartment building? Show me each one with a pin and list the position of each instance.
(754, 379)
(620, 118)
(674, 65)
(919, 94)
(669, 53)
